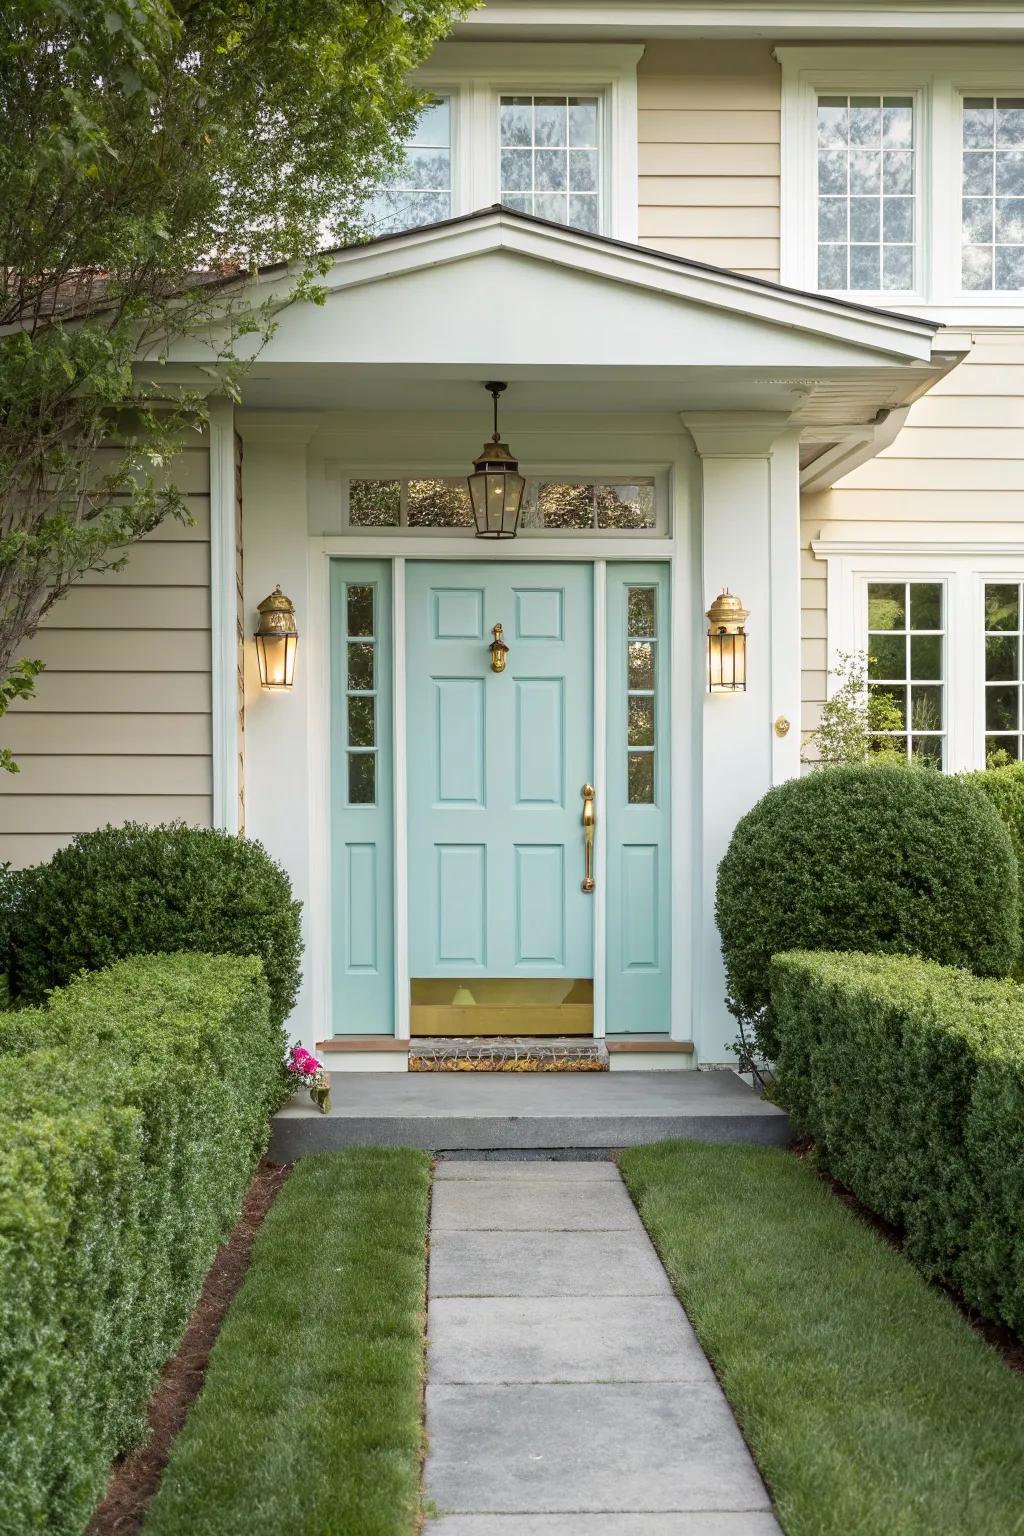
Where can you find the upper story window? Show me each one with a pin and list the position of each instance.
(866, 193)
(549, 129)
(421, 192)
(903, 175)
(993, 192)
(550, 158)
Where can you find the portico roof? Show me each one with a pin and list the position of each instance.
(416, 320)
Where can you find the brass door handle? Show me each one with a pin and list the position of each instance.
(589, 822)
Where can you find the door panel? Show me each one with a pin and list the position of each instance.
(496, 764)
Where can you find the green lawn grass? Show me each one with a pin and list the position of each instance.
(310, 1418)
(871, 1406)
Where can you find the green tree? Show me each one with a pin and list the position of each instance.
(155, 155)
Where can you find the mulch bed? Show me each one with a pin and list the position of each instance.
(135, 1479)
(1006, 1343)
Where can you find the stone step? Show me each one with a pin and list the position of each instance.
(499, 1111)
(508, 1053)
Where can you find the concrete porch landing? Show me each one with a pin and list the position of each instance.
(447, 1112)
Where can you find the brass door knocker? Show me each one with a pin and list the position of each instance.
(498, 650)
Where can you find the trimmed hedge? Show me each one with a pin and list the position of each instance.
(132, 1111)
(1005, 788)
(886, 858)
(910, 1078)
(136, 890)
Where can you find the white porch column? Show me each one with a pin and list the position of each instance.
(277, 771)
(750, 543)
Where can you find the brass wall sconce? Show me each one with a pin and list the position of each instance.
(277, 640)
(498, 650)
(727, 644)
(496, 486)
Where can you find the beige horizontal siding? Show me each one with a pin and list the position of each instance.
(35, 733)
(112, 774)
(709, 131)
(67, 814)
(955, 470)
(120, 727)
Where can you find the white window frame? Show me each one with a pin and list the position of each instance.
(938, 80)
(476, 75)
(964, 570)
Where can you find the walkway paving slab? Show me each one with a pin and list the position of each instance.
(557, 1405)
(743, 1523)
(593, 1338)
(588, 1446)
(521, 1205)
(544, 1264)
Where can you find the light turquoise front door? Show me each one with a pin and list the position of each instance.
(496, 763)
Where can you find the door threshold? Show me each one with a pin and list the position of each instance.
(525, 1053)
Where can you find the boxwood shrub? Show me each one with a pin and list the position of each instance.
(136, 890)
(910, 1077)
(133, 1108)
(886, 858)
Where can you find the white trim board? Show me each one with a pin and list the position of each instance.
(223, 617)
(756, 18)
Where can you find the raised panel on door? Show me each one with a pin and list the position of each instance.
(362, 799)
(496, 764)
(638, 899)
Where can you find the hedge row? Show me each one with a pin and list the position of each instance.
(132, 1110)
(910, 1078)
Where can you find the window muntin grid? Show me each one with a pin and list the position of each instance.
(420, 192)
(361, 689)
(641, 683)
(610, 505)
(906, 663)
(866, 199)
(992, 203)
(550, 161)
(1004, 673)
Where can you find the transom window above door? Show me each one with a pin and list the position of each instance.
(613, 504)
(550, 158)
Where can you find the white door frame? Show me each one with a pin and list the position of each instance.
(399, 549)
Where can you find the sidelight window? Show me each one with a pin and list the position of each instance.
(361, 690)
(641, 685)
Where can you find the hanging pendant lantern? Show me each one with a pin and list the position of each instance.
(496, 486)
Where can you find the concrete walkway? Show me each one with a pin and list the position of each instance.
(566, 1392)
